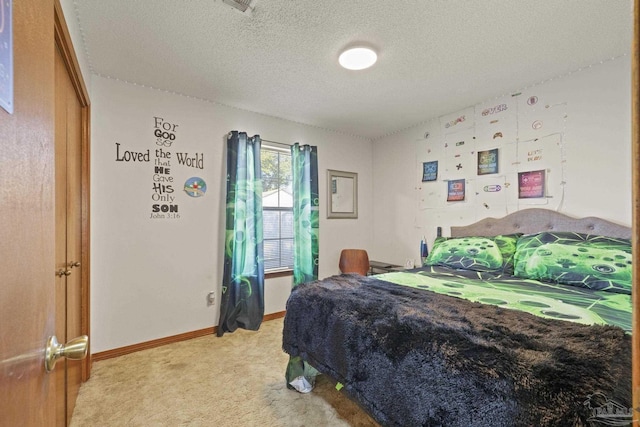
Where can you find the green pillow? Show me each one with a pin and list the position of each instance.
(507, 245)
(585, 260)
(469, 253)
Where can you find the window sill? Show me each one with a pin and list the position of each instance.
(277, 273)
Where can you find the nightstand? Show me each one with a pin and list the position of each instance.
(378, 267)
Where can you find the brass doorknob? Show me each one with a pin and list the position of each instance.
(63, 272)
(75, 349)
(74, 264)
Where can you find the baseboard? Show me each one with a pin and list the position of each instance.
(116, 352)
(272, 316)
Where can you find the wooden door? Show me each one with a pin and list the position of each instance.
(60, 373)
(68, 165)
(74, 204)
(72, 225)
(28, 395)
(27, 226)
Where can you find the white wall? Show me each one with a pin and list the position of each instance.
(150, 277)
(596, 165)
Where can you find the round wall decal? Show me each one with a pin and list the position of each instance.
(195, 187)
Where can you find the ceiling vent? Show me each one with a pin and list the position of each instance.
(244, 6)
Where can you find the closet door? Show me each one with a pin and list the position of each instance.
(68, 236)
(60, 372)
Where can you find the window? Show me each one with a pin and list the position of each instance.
(277, 207)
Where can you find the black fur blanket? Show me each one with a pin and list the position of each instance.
(411, 357)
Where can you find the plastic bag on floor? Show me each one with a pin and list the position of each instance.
(301, 384)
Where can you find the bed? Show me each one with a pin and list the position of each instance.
(523, 320)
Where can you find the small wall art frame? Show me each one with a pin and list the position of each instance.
(342, 194)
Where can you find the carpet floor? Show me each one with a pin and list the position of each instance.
(236, 380)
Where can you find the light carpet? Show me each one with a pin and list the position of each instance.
(236, 380)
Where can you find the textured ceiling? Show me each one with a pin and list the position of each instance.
(434, 56)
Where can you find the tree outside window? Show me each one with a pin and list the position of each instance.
(277, 208)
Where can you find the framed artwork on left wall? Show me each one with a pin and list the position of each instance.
(6, 56)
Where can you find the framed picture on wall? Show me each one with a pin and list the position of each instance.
(488, 162)
(456, 189)
(430, 171)
(531, 184)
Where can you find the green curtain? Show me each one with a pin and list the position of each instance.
(306, 220)
(242, 302)
(306, 215)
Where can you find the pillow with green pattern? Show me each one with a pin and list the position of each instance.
(507, 245)
(469, 253)
(585, 260)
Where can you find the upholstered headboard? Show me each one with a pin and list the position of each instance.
(536, 220)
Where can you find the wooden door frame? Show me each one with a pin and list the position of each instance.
(635, 184)
(64, 44)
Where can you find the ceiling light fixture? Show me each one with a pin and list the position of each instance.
(357, 58)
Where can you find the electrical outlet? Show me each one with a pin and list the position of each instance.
(211, 298)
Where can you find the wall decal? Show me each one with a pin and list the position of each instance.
(539, 115)
(457, 153)
(166, 134)
(195, 161)
(496, 119)
(163, 181)
(455, 190)
(491, 191)
(488, 162)
(515, 139)
(162, 187)
(531, 184)
(495, 109)
(195, 187)
(534, 155)
(131, 156)
(430, 171)
(456, 121)
(164, 131)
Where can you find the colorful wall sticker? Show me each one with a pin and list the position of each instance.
(488, 161)
(456, 190)
(531, 184)
(195, 187)
(430, 171)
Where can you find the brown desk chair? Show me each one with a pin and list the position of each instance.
(354, 261)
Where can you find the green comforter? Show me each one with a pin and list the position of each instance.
(543, 299)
